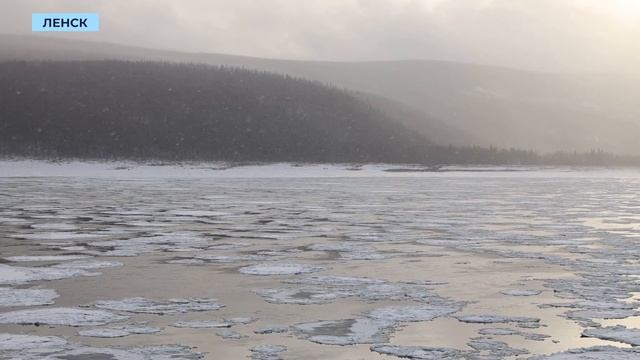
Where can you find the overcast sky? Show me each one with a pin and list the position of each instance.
(559, 35)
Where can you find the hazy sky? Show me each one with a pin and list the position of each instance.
(600, 35)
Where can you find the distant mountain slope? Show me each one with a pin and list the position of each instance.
(490, 105)
(180, 111)
(417, 120)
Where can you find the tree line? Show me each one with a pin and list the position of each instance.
(155, 110)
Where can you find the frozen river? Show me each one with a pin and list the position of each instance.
(119, 261)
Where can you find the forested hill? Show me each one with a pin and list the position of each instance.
(452, 103)
(118, 109)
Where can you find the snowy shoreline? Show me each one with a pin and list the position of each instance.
(133, 169)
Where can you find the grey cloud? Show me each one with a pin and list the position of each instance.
(540, 34)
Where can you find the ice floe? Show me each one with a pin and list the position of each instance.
(521, 292)
(88, 264)
(54, 226)
(210, 258)
(325, 289)
(496, 319)
(498, 331)
(21, 342)
(58, 236)
(68, 247)
(229, 246)
(239, 320)
(16, 275)
(585, 311)
(60, 316)
(280, 269)
(230, 334)
(615, 333)
(119, 331)
(351, 250)
(333, 280)
(302, 296)
(202, 324)
(12, 221)
(160, 307)
(267, 352)
(27, 297)
(594, 353)
(276, 329)
(345, 332)
(375, 327)
(507, 331)
(494, 348)
(32, 347)
(48, 258)
(419, 352)
(340, 247)
(74, 351)
(586, 318)
(197, 213)
(186, 261)
(149, 244)
(412, 313)
(365, 255)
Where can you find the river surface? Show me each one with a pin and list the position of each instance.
(319, 262)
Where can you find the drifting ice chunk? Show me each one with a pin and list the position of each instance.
(56, 236)
(20, 342)
(12, 221)
(494, 319)
(150, 244)
(496, 348)
(60, 316)
(165, 352)
(267, 352)
(196, 213)
(16, 275)
(594, 353)
(119, 331)
(341, 247)
(243, 320)
(46, 258)
(505, 331)
(521, 292)
(185, 261)
(155, 352)
(376, 326)
(88, 264)
(419, 352)
(333, 280)
(272, 330)
(498, 331)
(169, 306)
(615, 333)
(364, 255)
(303, 296)
(413, 313)
(54, 226)
(72, 248)
(345, 332)
(228, 258)
(30, 347)
(204, 324)
(587, 315)
(27, 297)
(230, 334)
(280, 269)
(229, 246)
